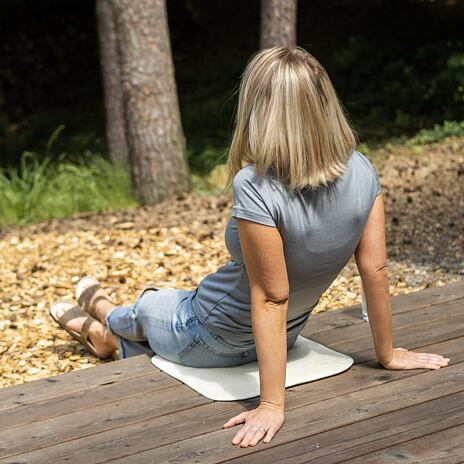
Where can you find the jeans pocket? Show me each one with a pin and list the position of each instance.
(198, 353)
(235, 349)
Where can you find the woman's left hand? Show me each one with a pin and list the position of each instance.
(265, 415)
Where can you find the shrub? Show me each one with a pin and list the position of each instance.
(438, 132)
(42, 188)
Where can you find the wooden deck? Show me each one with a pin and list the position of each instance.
(129, 412)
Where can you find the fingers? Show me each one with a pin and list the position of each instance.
(252, 436)
(430, 357)
(269, 435)
(430, 360)
(240, 418)
(405, 359)
(425, 360)
(241, 433)
(259, 423)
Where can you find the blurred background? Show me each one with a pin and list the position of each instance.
(397, 65)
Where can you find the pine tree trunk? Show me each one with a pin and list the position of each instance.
(157, 148)
(112, 88)
(278, 23)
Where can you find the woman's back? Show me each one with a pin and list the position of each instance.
(320, 230)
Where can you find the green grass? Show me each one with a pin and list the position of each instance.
(46, 188)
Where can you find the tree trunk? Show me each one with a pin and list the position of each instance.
(157, 148)
(112, 88)
(278, 23)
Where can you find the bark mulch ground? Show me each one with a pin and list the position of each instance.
(177, 243)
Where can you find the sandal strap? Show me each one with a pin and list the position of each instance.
(94, 305)
(86, 296)
(85, 331)
(70, 314)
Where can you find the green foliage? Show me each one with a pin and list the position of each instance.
(364, 148)
(438, 132)
(45, 188)
(202, 187)
(390, 91)
(82, 131)
(204, 160)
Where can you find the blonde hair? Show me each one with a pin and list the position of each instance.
(289, 119)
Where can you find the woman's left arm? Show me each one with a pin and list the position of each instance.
(264, 258)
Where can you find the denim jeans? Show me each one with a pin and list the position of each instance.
(161, 321)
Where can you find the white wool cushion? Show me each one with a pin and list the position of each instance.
(307, 361)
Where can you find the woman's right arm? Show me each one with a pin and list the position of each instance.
(371, 260)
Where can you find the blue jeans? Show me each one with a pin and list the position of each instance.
(161, 321)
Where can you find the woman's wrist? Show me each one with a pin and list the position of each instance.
(277, 405)
(386, 359)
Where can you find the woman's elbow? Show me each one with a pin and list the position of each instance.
(374, 272)
(276, 299)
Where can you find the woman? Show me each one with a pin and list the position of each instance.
(303, 204)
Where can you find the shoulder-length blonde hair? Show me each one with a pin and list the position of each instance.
(289, 119)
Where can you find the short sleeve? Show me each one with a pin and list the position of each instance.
(376, 185)
(249, 200)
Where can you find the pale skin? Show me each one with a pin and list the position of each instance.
(263, 255)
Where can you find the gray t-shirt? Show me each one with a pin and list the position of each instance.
(320, 231)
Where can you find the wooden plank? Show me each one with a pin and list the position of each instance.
(103, 374)
(196, 433)
(89, 398)
(434, 316)
(108, 416)
(365, 437)
(304, 421)
(321, 322)
(123, 370)
(112, 372)
(370, 373)
(358, 377)
(157, 381)
(445, 447)
(325, 388)
(151, 367)
(300, 422)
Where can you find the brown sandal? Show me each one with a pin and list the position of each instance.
(73, 310)
(85, 290)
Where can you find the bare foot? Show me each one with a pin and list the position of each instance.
(102, 339)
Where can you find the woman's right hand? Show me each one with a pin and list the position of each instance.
(405, 359)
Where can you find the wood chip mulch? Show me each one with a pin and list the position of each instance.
(176, 243)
